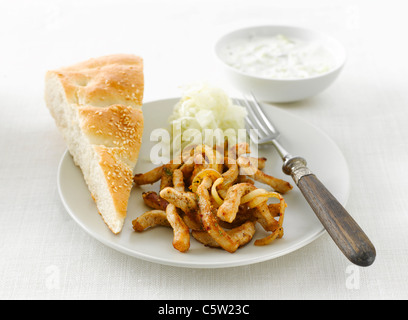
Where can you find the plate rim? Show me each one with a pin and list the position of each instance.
(199, 264)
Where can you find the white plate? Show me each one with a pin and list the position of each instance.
(301, 225)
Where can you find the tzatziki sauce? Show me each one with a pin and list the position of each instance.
(278, 57)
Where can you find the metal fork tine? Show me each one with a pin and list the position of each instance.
(255, 125)
(254, 118)
(265, 119)
(258, 121)
(238, 102)
(253, 132)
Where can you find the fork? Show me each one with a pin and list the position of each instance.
(342, 228)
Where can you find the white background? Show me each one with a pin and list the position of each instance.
(45, 255)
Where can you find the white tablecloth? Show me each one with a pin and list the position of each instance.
(44, 254)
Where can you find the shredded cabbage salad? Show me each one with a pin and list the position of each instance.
(202, 107)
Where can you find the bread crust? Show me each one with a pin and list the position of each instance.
(104, 81)
(107, 94)
(116, 127)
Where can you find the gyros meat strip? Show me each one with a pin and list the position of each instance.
(264, 217)
(245, 179)
(242, 234)
(244, 214)
(187, 170)
(200, 164)
(229, 177)
(210, 222)
(278, 233)
(213, 158)
(258, 162)
(178, 180)
(156, 174)
(238, 150)
(150, 219)
(154, 201)
(181, 238)
(167, 175)
(186, 201)
(149, 177)
(277, 184)
(228, 210)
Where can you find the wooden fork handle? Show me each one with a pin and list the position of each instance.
(342, 228)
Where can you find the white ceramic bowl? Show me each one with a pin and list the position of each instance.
(282, 90)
